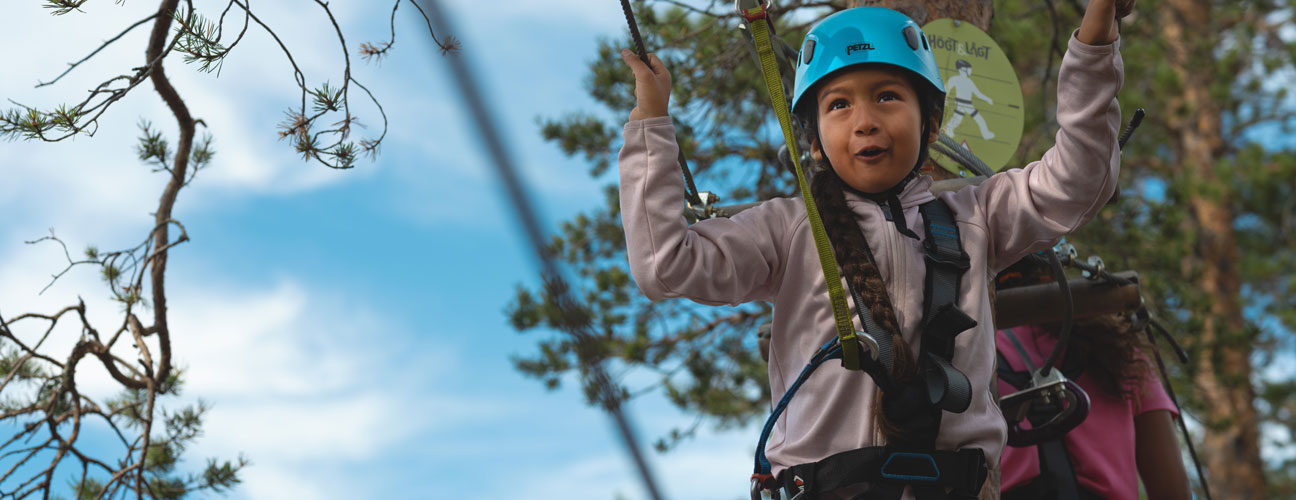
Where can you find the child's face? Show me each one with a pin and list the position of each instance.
(870, 125)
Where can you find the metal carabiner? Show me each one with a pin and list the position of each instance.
(756, 491)
(707, 209)
(1054, 388)
(868, 343)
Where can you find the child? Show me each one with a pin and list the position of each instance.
(868, 89)
(1128, 433)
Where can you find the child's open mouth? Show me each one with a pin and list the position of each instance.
(871, 153)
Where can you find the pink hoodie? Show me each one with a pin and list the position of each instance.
(767, 253)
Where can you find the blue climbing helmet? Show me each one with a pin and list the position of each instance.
(863, 35)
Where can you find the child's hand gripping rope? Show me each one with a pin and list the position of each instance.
(652, 86)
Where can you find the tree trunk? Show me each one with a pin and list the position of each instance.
(1230, 447)
(978, 12)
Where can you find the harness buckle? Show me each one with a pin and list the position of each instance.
(911, 467)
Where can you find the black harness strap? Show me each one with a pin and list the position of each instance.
(962, 470)
(948, 388)
(917, 405)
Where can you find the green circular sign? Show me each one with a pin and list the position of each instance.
(983, 99)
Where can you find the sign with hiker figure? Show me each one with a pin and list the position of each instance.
(983, 101)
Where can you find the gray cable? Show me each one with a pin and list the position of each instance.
(526, 212)
(949, 147)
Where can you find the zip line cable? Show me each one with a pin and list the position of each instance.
(634, 32)
(526, 210)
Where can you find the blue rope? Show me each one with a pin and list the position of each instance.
(831, 350)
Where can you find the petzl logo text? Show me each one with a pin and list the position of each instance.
(850, 49)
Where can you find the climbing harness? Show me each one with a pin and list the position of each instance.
(917, 405)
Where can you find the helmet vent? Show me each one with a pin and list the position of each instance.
(911, 36)
(807, 52)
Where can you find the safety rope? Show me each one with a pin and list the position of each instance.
(755, 14)
(691, 190)
(526, 212)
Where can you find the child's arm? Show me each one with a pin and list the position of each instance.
(1156, 452)
(716, 261)
(1028, 209)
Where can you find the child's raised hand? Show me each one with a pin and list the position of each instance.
(652, 86)
(1099, 24)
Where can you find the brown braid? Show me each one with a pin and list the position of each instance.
(851, 248)
(856, 263)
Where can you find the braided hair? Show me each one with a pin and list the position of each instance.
(851, 248)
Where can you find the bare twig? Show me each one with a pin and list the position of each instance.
(72, 66)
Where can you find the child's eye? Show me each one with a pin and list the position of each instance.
(888, 96)
(837, 104)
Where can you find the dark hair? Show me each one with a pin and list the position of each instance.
(1108, 346)
(960, 64)
(851, 248)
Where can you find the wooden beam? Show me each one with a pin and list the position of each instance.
(1038, 304)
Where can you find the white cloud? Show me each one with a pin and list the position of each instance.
(712, 466)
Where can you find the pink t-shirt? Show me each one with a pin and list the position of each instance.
(1101, 447)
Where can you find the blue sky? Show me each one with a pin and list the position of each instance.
(346, 326)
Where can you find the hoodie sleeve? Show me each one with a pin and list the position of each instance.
(715, 261)
(1027, 210)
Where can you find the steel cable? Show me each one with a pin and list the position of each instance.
(526, 211)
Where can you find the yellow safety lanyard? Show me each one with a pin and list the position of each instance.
(760, 31)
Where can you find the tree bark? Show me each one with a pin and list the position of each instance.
(161, 234)
(977, 12)
(1230, 446)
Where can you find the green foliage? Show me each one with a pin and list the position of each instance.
(31, 124)
(152, 146)
(199, 39)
